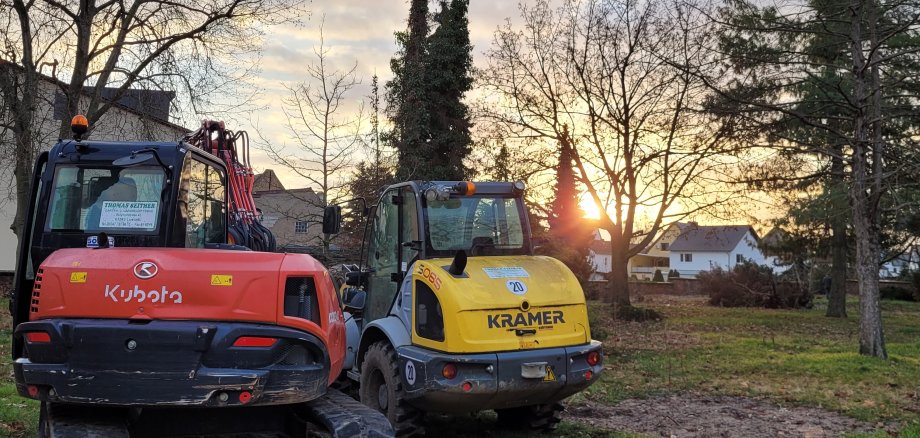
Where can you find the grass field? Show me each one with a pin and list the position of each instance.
(794, 357)
(791, 357)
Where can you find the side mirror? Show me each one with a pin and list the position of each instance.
(354, 300)
(332, 219)
(354, 278)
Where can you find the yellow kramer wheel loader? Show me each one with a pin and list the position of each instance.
(450, 310)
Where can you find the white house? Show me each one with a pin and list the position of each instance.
(705, 247)
(599, 257)
(907, 262)
(137, 115)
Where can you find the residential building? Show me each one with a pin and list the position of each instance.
(294, 216)
(688, 248)
(641, 266)
(138, 115)
(599, 257)
(906, 262)
(706, 247)
(657, 256)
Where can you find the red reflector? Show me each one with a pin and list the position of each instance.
(467, 386)
(254, 341)
(449, 371)
(33, 391)
(589, 375)
(245, 397)
(39, 337)
(594, 358)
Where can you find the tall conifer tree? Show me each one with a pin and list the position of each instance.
(448, 80)
(431, 124)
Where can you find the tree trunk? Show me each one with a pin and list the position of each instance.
(865, 188)
(837, 296)
(23, 173)
(871, 336)
(618, 283)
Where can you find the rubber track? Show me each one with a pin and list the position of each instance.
(64, 421)
(345, 417)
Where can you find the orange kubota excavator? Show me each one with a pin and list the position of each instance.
(145, 303)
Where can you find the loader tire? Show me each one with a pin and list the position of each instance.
(543, 417)
(382, 389)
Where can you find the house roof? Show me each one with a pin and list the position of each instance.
(600, 247)
(267, 182)
(149, 104)
(718, 238)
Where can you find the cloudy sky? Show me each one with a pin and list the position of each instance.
(355, 31)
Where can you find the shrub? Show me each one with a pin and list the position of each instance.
(672, 274)
(658, 277)
(637, 314)
(897, 293)
(916, 280)
(596, 322)
(595, 290)
(750, 285)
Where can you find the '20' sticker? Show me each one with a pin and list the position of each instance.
(410, 372)
(516, 287)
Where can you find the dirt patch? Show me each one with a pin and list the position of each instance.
(690, 415)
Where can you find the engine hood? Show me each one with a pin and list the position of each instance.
(502, 303)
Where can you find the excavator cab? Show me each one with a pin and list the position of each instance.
(91, 194)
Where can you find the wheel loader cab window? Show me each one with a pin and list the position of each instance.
(382, 257)
(203, 201)
(110, 199)
(480, 225)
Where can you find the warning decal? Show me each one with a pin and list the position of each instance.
(550, 375)
(78, 277)
(511, 272)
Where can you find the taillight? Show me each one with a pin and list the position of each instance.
(594, 358)
(38, 337)
(449, 371)
(254, 341)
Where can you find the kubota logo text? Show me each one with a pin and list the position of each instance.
(145, 270)
(138, 295)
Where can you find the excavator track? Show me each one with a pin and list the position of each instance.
(343, 416)
(334, 415)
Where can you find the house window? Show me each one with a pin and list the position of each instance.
(664, 246)
(739, 258)
(300, 227)
(686, 257)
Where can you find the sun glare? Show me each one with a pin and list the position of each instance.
(587, 205)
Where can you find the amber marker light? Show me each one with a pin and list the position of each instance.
(79, 124)
(466, 188)
(449, 371)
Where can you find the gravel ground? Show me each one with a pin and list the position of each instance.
(691, 415)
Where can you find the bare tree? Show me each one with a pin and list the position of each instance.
(616, 84)
(323, 130)
(111, 46)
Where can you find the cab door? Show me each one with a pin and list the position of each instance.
(390, 251)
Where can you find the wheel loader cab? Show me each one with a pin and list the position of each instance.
(98, 194)
(407, 226)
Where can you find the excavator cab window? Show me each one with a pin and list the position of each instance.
(202, 205)
(104, 198)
